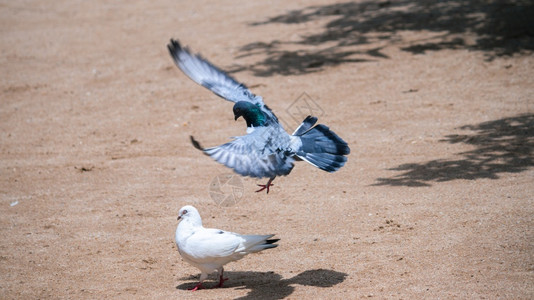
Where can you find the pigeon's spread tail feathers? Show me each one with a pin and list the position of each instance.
(321, 147)
(256, 243)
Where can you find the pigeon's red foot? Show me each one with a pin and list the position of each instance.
(197, 287)
(221, 281)
(266, 186)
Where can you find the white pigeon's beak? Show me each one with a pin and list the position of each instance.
(179, 217)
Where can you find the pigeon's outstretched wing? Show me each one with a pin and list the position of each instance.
(204, 73)
(254, 154)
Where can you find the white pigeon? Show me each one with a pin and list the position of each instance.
(210, 249)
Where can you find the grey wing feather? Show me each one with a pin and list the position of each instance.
(204, 73)
(250, 155)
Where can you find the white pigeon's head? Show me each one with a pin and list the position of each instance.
(191, 214)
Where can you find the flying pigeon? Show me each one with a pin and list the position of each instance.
(267, 150)
(210, 249)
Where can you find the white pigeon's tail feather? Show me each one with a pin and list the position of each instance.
(321, 147)
(256, 243)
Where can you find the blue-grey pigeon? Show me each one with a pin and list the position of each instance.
(267, 150)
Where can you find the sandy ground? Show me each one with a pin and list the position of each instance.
(435, 100)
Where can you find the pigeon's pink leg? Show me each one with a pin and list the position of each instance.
(221, 279)
(266, 186)
(197, 287)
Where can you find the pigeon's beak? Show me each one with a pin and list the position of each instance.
(179, 218)
(237, 113)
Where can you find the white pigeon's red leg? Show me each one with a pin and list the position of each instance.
(203, 277)
(221, 278)
(266, 186)
(197, 287)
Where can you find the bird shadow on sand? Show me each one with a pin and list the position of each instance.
(269, 285)
(501, 146)
(353, 32)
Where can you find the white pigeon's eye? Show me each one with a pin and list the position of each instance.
(184, 211)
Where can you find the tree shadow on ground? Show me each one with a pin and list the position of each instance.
(269, 285)
(502, 146)
(358, 31)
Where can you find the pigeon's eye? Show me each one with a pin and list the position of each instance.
(184, 211)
